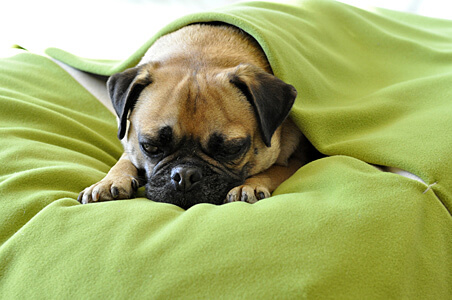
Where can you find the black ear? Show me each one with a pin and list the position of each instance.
(271, 97)
(124, 89)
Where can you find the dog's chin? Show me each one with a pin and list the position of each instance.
(212, 188)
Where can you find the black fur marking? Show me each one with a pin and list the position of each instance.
(165, 136)
(227, 150)
(217, 179)
(270, 97)
(124, 89)
(215, 143)
(212, 188)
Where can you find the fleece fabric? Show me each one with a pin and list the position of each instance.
(374, 88)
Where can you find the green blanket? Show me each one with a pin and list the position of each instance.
(374, 88)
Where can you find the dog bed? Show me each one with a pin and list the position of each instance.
(374, 89)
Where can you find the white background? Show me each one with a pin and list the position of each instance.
(113, 29)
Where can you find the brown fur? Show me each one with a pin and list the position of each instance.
(185, 82)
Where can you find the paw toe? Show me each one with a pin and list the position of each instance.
(247, 193)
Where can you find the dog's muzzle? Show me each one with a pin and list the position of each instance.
(190, 182)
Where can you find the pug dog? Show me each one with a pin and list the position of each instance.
(202, 119)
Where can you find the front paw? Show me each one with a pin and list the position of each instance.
(109, 189)
(250, 193)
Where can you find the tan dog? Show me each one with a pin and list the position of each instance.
(201, 119)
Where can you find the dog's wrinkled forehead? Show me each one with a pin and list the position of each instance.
(193, 106)
(200, 101)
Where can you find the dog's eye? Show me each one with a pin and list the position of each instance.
(151, 149)
(233, 150)
(221, 148)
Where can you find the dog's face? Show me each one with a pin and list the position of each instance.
(197, 135)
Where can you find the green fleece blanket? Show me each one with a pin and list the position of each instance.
(375, 87)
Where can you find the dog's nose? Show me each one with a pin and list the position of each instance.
(183, 178)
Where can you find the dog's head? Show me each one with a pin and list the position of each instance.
(196, 135)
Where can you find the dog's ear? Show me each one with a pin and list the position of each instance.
(124, 89)
(270, 97)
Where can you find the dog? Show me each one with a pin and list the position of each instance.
(202, 119)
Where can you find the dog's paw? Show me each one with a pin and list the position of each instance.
(250, 193)
(109, 189)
